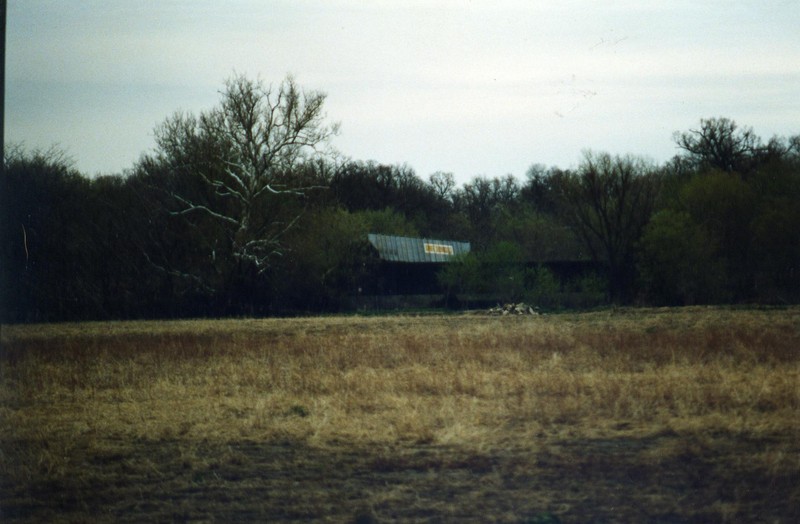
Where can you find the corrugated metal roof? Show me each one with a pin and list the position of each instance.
(406, 249)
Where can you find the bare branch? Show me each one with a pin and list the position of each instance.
(179, 274)
(248, 149)
(191, 208)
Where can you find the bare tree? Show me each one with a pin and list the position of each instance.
(719, 143)
(481, 200)
(245, 153)
(609, 200)
(442, 184)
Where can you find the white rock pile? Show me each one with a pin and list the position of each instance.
(514, 309)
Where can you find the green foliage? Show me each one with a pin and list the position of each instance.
(776, 231)
(727, 237)
(371, 187)
(219, 221)
(481, 201)
(723, 203)
(542, 287)
(324, 262)
(462, 276)
(387, 221)
(541, 237)
(678, 262)
(499, 271)
(504, 271)
(501, 274)
(608, 201)
(590, 284)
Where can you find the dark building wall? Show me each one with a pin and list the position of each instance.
(398, 278)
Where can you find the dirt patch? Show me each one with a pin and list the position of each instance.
(666, 478)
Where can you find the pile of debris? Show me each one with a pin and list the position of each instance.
(514, 309)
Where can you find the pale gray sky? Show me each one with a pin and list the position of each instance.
(471, 87)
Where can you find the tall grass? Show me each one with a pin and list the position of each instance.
(72, 391)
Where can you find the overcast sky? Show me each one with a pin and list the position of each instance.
(470, 87)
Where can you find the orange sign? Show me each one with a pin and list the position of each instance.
(438, 249)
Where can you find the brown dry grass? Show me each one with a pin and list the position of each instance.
(624, 415)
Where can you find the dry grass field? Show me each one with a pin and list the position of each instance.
(627, 415)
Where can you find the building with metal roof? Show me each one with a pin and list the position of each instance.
(407, 267)
(416, 250)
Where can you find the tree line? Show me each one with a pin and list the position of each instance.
(246, 209)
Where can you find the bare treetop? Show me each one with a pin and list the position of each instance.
(245, 150)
